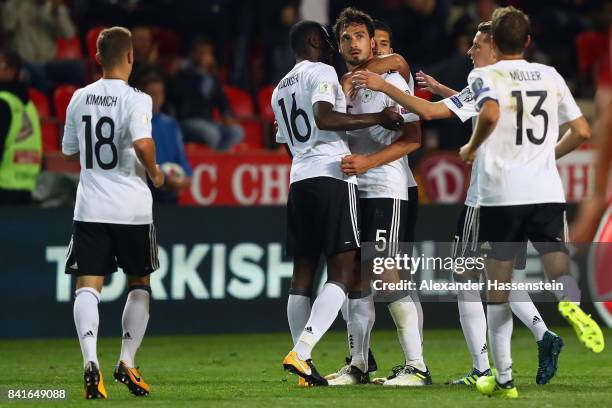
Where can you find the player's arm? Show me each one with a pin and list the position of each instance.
(487, 120)
(70, 141)
(432, 85)
(425, 109)
(140, 132)
(145, 151)
(408, 142)
(579, 131)
(327, 118)
(378, 65)
(593, 207)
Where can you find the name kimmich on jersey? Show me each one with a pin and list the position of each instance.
(316, 152)
(392, 179)
(517, 163)
(103, 120)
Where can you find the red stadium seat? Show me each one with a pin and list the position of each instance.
(253, 134)
(92, 37)
(423, 93)
(68, 48)
(61, 99)
(590, 47)
(168, 40)
(264, 98)
(48, 124)
(241, 102)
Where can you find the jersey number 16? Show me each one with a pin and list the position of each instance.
(290, 123)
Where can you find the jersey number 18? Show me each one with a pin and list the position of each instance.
(101, 141)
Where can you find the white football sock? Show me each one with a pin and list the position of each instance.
(324, 311)
(134, 324)
(474, 326)
(344, 310)
(500, 333)
(522, 306)
(86, 320)
(404, 314)
(417, 302)
(298, 312)
(359, 326)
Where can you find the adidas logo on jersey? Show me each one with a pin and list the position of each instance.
(536, 320)
(126, 336)
(74, 266)
(308, 329)
(89, 333)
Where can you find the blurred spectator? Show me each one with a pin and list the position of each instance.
(277, 18)
(146, 53)
(20, 136)
(32, 27)
(168, 142)
(196, 92)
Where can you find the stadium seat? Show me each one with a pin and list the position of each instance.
(241, 102)
(423, 94)
(264, 98)
(169, 41)
(590, 47)
(48, 123)
(68, 48)
(61, 99)
(253, 135)
(91, 38)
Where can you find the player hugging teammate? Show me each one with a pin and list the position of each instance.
(515, 195)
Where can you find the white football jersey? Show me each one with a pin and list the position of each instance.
(103, 120)
(316, 152)
(463, 106)
(390, 180)
(517, 164)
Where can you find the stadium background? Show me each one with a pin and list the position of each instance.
(222, 243)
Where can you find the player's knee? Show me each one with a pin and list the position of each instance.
(134, 281)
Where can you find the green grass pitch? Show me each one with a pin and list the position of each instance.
(246, 370)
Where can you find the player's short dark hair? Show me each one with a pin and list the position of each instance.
(510, 28)
(299, 33)
(148, 77)
(382, 26)
(485, 27)
(350, 16)
(112, 44)
(12, 60)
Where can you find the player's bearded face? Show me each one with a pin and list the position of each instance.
(356, 44)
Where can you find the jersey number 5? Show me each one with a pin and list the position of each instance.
(101, 141)
(537, 111)
(290, 124)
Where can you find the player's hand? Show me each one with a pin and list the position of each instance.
(275, 126)
(427, 82)
(355, 164)
(158, 178)
(366, 79)
(390, 119)
(467, 153)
